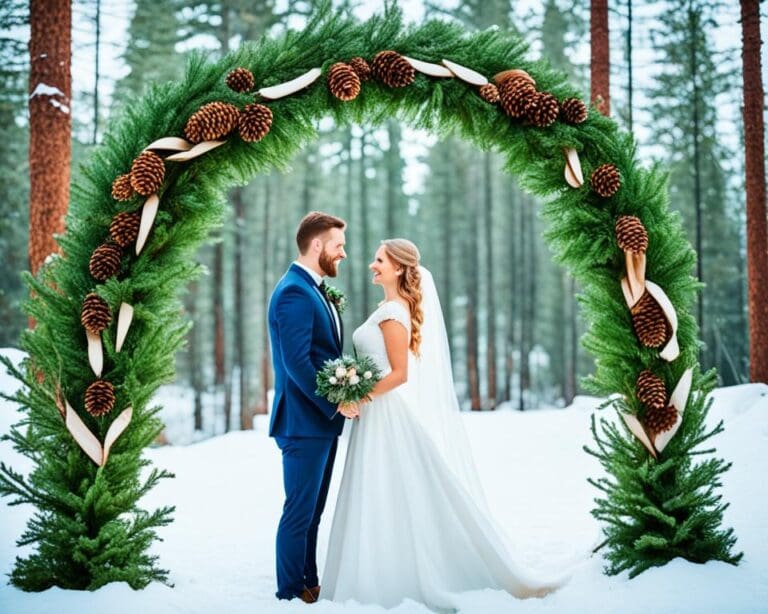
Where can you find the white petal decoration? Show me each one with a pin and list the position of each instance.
(169, 143)
(671, 350)
(465, 74)
(95, 352)
(197, 150)
(290, 87)
(678, 399)
(80, 433)
(148, 213)
(631, 296)
(124, 317)
(638, 431)
(635, 263)
(573, 175)
(427, 68)
(117, 427)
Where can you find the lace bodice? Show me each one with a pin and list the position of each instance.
(368, 338)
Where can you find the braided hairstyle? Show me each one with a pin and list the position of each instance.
(406, 254)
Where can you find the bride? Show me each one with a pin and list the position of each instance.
(411, 520)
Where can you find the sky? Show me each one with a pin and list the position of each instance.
(116, 15)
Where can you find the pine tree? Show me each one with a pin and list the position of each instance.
(14, 167)
(686, 126)
(757, 233)
(654, 511)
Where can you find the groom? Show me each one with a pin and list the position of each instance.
(305, 330)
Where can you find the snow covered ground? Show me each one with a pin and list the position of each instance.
(228, 494)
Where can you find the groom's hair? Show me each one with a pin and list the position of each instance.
(313, 224)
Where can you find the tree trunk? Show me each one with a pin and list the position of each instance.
(50, 125)
(394, 180)
(757, 234)
(573, 345)
(308, 185)
(533, 245)
(513, 208)
(96, 74)
(351, 264)
(222, 377)
(195, 370)
(490, 296)
(630, 76)
(266, 263)
(600, 61)
(246, 415)
(473, 375)
(446, 217)
(694, 24)
(364, 214)
(526, 320)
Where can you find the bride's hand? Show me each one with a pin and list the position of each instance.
(349, 410)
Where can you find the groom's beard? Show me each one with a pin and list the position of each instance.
(328, 265)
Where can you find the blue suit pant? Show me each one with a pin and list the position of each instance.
(307, 468)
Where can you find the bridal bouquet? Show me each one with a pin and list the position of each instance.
(347, 379)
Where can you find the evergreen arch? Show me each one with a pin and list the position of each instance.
(88, 528)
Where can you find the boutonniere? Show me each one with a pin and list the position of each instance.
(337, 297)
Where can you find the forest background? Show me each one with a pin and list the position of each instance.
(512, 313)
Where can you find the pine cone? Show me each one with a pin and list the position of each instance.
(542, 110)
(211, 122)
(660, 420)
(631, 234)
(99, 398)
(490, 93)
(392, 69)
(574, 111)
(122, 188)
(606, 180)
(95, 315)
(105, 261)
(343, 81)
(240, 80)
(650, 324)
(650, 390)
(515, 95)
(254, 122)
(361, 68)
(125, 228)
(147, 173)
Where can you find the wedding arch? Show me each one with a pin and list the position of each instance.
(109, 322)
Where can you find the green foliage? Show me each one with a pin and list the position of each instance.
(88, 529)
(338, 385)
(653, 511)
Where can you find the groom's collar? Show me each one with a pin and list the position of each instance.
(312, 274)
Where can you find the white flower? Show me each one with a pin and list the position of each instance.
(367, 375)
(340, 372)
(332, 380)
(354, 380)
(352, 372)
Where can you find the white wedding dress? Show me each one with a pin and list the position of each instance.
(407, 523)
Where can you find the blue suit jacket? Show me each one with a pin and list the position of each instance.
(303, 336)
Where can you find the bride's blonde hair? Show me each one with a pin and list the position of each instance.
(406, 254)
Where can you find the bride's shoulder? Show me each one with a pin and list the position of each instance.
(392, 310)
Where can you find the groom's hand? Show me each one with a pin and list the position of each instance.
(349, 410)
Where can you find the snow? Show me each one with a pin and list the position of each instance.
(228, 494)
(43, 89)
